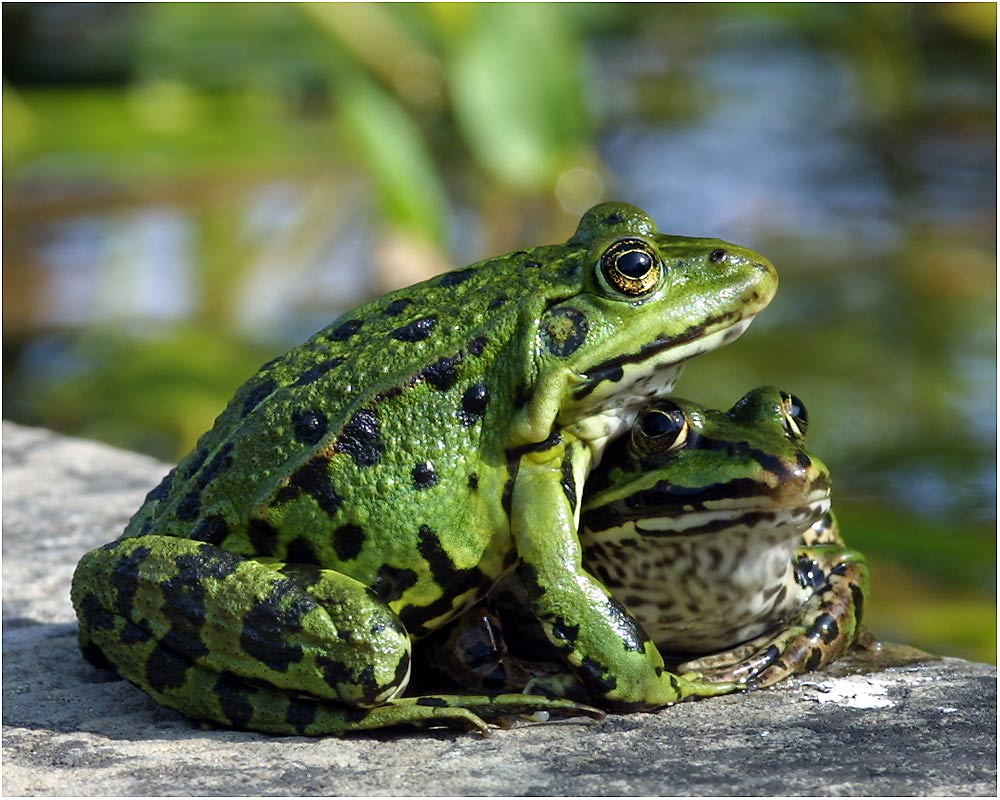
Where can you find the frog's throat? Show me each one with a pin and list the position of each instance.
(611, 394)
(760, 519)
(653, 359)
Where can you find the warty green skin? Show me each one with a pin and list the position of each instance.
(365, 488)
(719, 540)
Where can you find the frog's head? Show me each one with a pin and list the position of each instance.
(647, 303)
(686, 470)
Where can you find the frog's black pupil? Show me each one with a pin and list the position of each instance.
(656, 424)
(634, 263)
(717, 255)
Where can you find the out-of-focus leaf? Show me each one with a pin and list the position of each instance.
(121, 135)
(395, 154)
(516, 92)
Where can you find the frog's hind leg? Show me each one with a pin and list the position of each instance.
(465, 711)
(175, 616)
(259, 645)
(824, 629)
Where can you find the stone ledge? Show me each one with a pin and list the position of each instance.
(909, 724)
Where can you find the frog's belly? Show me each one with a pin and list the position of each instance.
(701, 593)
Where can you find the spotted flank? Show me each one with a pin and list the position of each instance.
(366, 488)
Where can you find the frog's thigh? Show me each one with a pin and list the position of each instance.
(173, 615)
(823, 630)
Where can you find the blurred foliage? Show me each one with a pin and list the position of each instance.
(302, 157)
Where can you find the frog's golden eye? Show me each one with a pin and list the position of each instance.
(794, 415)
(661, 429)
(631, 266)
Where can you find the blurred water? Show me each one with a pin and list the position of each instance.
(775, 152)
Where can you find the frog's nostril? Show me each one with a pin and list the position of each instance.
(717, 255)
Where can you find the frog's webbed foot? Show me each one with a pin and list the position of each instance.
(824, 629)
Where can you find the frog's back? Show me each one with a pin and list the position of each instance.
(368, 442)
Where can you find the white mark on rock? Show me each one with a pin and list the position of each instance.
(853, 692)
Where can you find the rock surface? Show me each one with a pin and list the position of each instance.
(908, 725)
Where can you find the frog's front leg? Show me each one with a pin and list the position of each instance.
(608, 650)
(823, 630)
(259, 645)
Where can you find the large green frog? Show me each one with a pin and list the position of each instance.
(714, 530)
(365, 488)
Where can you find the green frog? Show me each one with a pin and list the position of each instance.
(715, 530)
(370, 485)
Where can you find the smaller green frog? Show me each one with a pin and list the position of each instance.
(714, 530)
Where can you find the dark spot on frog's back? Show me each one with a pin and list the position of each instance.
(361, 438)
(313, 478)
(163, 489)
(457, 277)
(309, 425)
(189, 507)
(443, 373)
(416, 331)
(474, 403)
(317, 371)
(478, 346)
(257, 394)
(196, 462)
(614, 219)
(397, 307)
(424, 475)
(346, 330)
(348, 541)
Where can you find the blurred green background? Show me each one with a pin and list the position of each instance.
(189, 189)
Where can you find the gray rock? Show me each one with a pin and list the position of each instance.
(902, 723)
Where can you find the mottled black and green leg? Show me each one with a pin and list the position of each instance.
(240, 643)
(608, 650)
(465, 710)
(823, 630)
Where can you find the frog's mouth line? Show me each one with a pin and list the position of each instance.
(700, 523)
(692, 342)
(683, 521)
